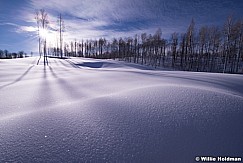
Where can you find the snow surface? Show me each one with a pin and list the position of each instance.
(78, 110)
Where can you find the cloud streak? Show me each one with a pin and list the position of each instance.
(119, 16)
(92, 19)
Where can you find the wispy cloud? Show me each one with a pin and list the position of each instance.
(8, 24)
(26, 29)
(92, 19)
(19, 28)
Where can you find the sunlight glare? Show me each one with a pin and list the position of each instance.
(48, 35)
(43, 33)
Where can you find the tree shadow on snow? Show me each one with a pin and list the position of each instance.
(65, 86)
(18, 79)
(91, 64)
(104, 64)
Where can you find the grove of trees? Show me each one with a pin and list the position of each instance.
(207, 49)
(5, 54)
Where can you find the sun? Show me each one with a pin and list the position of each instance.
(43, 33)
(47, 35)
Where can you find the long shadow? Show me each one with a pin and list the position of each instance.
(45, 60)
(207, 80)
(52, 72)
(18, 79)
(73, 64)
(64, 66)
(38, 61)
(137, 66)
(65, 86)
(56, 62)
(213, 81)
(101, 64)
(91, 64)
(45, 74)
(45, 92)
(34, 61)
(57, 57)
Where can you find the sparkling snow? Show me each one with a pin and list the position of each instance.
(78, 110)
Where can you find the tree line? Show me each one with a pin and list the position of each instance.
(5, 54)
(207, 49)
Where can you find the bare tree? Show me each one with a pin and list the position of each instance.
(210, 48)
(42, 24)
(174, 47)
(61, 30)
(37, 18)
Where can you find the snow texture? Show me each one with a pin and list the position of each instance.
(79, 110)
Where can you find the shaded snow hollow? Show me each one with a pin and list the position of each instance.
(78, 110)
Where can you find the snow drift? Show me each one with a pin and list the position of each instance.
(77, 110)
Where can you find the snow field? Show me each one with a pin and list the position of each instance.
(78, 110)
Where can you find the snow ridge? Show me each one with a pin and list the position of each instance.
(86, 110)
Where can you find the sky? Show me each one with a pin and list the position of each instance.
(92, 19)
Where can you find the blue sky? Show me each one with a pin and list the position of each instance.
(91, 19)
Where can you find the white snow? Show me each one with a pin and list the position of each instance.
(78, 110)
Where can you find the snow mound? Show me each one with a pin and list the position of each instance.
(86, 110)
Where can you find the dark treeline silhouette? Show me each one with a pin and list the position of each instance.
(5, 54)
(208, 49)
